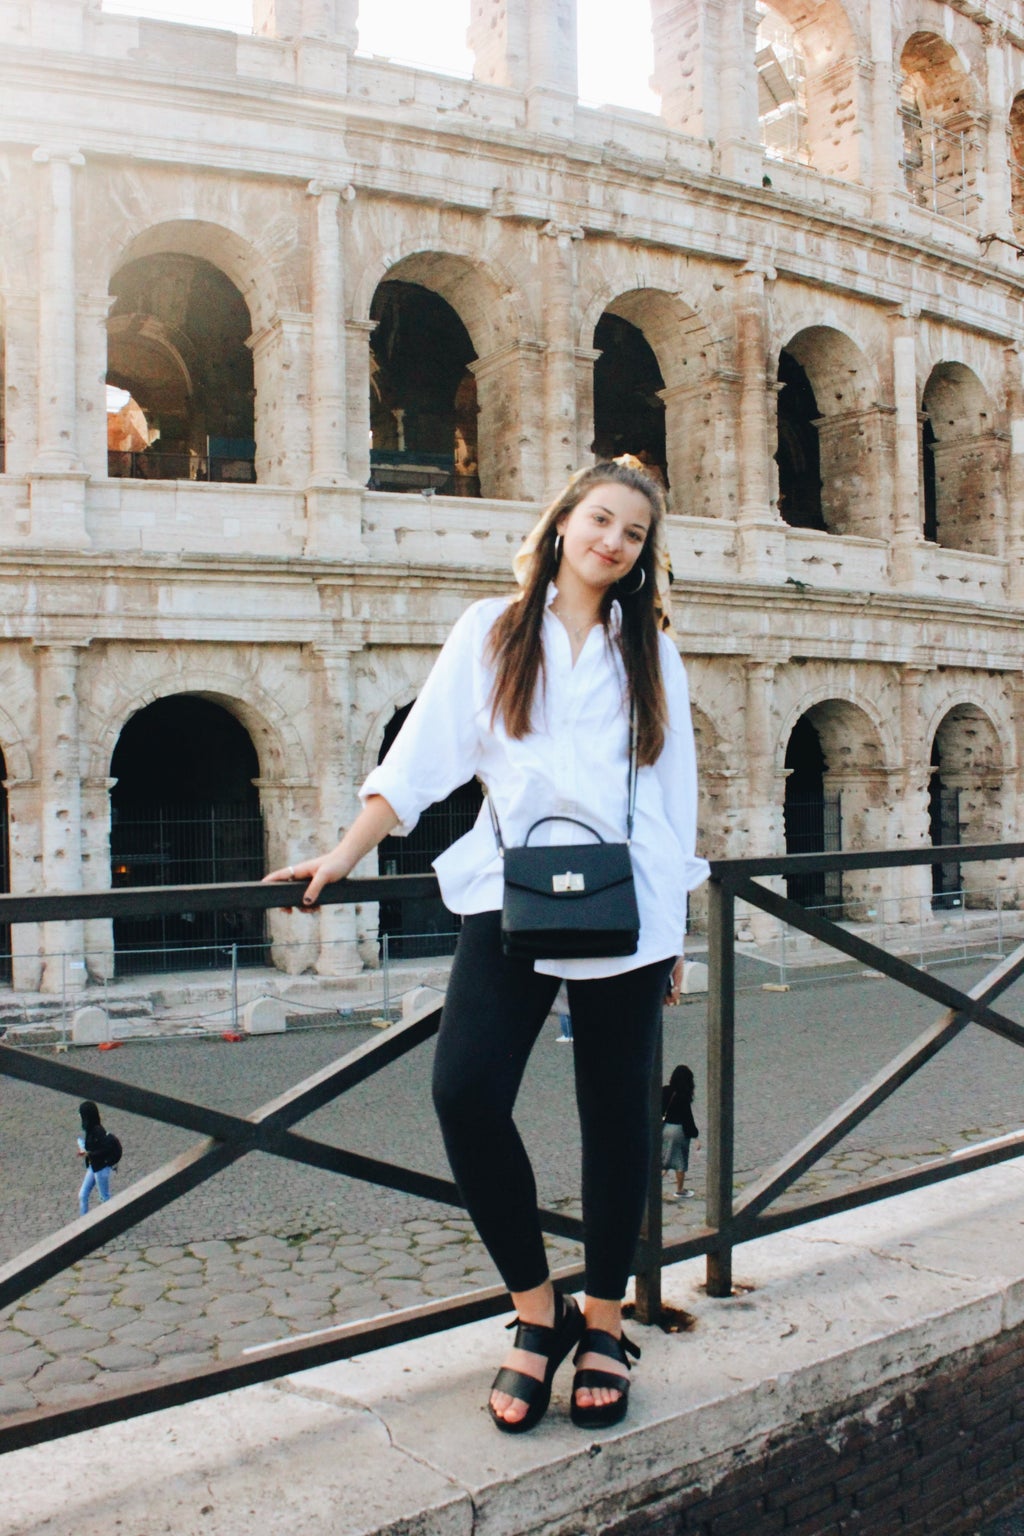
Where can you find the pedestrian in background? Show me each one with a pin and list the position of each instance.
(93, 1145)
(678, 1129)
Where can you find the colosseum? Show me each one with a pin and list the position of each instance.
(295, 339)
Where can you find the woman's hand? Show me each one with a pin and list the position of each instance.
(673, 992)
(319, 872)
(374, 822)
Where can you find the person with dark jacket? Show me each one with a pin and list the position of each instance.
(679, 1128)
(92, 1145)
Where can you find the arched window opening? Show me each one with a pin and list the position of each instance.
(812, 819)
(177, 347)
(423, 926)
(781, 88)
(1017, 164)
(5, 872)
(798, 454)
(185, 811)
(965, 796)
(423, 397)
(964, 463)
(942, 146)
(629, 413)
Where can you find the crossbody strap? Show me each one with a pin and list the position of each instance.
(631, 785)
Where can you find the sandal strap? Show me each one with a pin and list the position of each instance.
(596, 1341)
(537, 1338)
(592, 1378)
(517, 1384)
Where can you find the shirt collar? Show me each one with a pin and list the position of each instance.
(615, 617)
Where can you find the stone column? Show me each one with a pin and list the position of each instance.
(60, 798)
(762, 537)
(325, 34)
(704, 72)
(93, 311)
(884, 126)
(908, 523)
(280, 357)
(23, 824)
(558, 279)
(1015, 477)
(357, 373)
(510, 395)
(701, 422)
(910, 826)
(57, 448)
(765, 785)
(586, 358)
(98, 932)
(21, 349)
(739, 152)
(529, 46)
(997, 194)
(335, 772)
(329, 397)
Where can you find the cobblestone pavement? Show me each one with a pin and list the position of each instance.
(270, 1249)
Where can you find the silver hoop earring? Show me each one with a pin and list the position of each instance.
(558, 548)
(639, 586)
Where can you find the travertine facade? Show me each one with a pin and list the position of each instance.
(816, 250)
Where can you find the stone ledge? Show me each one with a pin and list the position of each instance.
(847, 1310)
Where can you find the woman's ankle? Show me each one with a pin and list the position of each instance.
(537, 1305)
(604, 1315)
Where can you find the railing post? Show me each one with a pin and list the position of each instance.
(648, 1263)
(721, 1077)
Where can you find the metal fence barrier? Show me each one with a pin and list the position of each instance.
(730, 1221)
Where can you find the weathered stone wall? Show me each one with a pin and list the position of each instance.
(310, 607)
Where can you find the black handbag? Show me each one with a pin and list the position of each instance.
(571, 900)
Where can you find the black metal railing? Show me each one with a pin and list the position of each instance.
(731, 1220)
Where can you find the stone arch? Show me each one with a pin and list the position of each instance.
(854, 745)
(500, 371)
(268, 293)
(373, 735)
(278, 746)
(809, 96)
(485, 297)
(968, 796)
(679, 344)
(16, 753)
(964, 462)
(830, 434)
(939, 105)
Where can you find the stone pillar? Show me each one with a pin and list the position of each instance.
(280, 356)
(705, 74)
(510, 394)
(888, 201)
(357, 373)
(98, 932)
(57, 448)
(338, 953)
(910, 825)
(328, 403)
(60, 797)
(23, 830)
(586, 358)
(529, 46)
(93, 310)
(61, 23)
(762, 537)
(1015, 477)
(855, 499)
(701, 424)
(765, 785)
(558, 279)
(21, 350)
(997, 195)
(839, 116)
(739, 153)
(907, 534)
(335, 21)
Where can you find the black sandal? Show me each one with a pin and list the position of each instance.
(554, 1344)
(596, 1341)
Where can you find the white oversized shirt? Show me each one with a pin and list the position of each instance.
(574, 762)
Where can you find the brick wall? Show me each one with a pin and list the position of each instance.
(932, 1455)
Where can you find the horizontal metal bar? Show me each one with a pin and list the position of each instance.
(875, 1092)
(878, 959)
(733, 870)
(266, 1364)
(237, 896)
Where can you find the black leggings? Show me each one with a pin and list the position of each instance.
(493, 1013)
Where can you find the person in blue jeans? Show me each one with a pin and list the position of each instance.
(92, 1145)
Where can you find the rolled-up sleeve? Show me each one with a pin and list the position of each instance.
(438, 747)
(676, 768)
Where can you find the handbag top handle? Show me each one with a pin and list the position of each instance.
(631, 807)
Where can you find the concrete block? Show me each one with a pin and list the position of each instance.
(90, 1026)
(264, 1016)
(695, 976)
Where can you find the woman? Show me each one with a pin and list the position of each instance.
(679, 1128)
(92, 1145)
(533, 695)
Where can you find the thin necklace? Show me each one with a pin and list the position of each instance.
(575, 631)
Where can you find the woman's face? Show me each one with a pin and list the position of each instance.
(603, 535)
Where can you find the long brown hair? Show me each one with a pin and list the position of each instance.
(514, 642)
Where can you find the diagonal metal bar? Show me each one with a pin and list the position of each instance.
(878, 959)
(964, 1161)
(84, 1235)
(875, 1092)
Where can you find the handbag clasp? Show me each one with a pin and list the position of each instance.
(561, 884)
